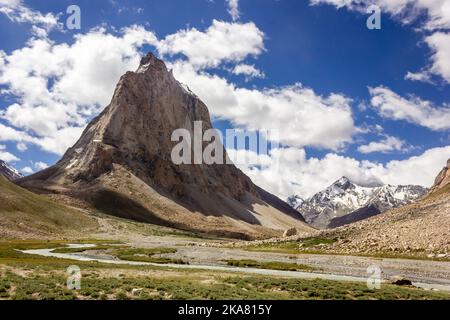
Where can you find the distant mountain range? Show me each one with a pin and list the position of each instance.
(345, 202)
(420, 228)
(9, 172)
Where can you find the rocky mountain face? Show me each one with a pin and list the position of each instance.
(345, 202)
(443, 178)
(295, 201)
(122, 165)
(9, 172)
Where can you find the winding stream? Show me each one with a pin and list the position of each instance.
(81, 256)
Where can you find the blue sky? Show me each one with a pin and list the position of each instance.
(341, 89)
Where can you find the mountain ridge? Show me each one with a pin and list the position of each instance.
(345, 202)
(26, 215)
(442, 179)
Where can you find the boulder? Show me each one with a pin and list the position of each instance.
(290, 232)
(400, 281)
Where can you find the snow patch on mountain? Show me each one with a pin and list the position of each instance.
(345, 202)
(9, 172)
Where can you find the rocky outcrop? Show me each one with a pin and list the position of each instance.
(400, 281)
(122, 163)
(9, 172)
(442, 179)
(290, 232)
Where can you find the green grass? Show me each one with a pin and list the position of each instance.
(10, 256)
(306, 245)
(195, 286)
(281, 247)
(316, 246)
(79, 250)
(316, 241)
(24, 276)
(130, 254)
(273, 265)
(146, 255)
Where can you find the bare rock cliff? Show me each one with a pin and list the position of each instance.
(442, 179)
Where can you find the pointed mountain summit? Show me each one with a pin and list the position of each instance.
(343, 183)
(122, 165)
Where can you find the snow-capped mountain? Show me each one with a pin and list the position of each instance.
(345, 202)
(9, 172)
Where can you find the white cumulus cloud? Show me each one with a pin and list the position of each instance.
(233, 9)
(40, 165)
(27, 170)
(58, 87)
(437, 12)
(249, 71)
(301, 116)
(83, 77)
(439, 42)
(413, 109)
(289, 171)
(423, 76)
(7, 156)
(386, 145)
(21, 146)
(221, 42)
(18, 12)
(437, 20)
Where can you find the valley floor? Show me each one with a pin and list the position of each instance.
(194, 268)
(174, 264)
